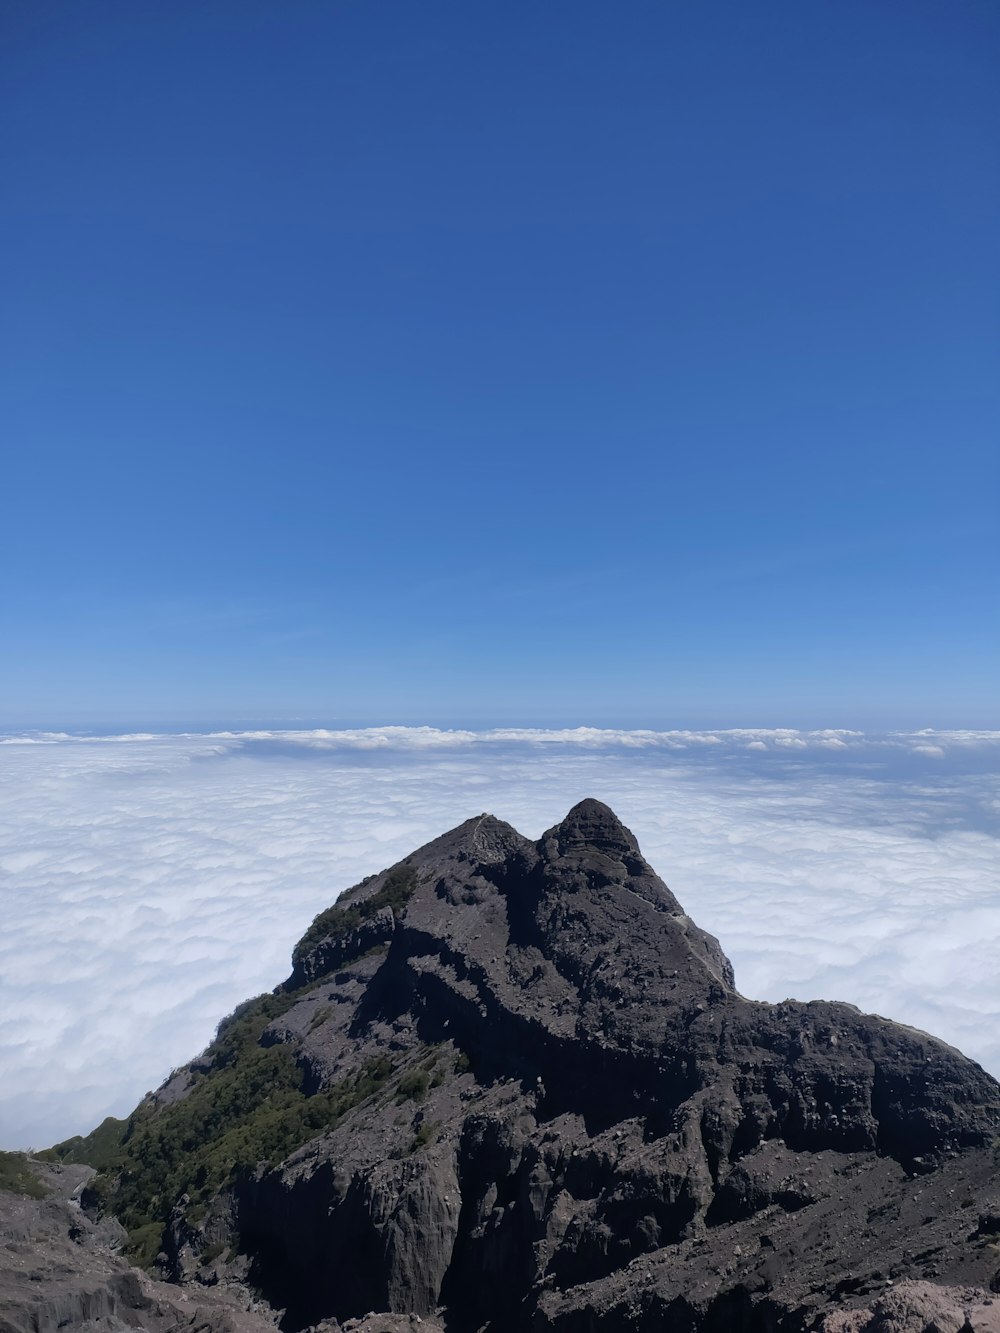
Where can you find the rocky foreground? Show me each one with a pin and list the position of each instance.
(60, 1269)
(510, 1085)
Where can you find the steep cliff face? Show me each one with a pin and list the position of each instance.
(512, 1083)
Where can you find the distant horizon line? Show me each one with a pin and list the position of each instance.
(313, 729)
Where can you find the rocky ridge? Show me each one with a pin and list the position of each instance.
(511, 1085)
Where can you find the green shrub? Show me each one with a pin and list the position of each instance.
(423, 1136)
(320, 1017)
(249, 1107)
(413, 1084)
(244, 1026)
(17, 1177)
(99, 1148)
(338, 922)
(144, 1244)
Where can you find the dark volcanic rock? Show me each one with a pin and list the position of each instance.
(61, 1270)
(586, 1126)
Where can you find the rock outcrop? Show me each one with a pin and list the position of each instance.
(550, 1109)
(59, 1270)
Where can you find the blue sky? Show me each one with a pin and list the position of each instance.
(624, 364)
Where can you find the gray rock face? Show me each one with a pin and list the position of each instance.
(60, 1270)
(330, 954)
(923, 1307)
(587, 1127)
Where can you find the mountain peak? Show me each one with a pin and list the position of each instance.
(592, 825)
(514, 1082)
(483, 838)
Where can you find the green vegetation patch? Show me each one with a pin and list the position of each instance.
(320, 1017)
(211, 1252)
(413, 1084)
(246, 1107)
(17, 1177)
(144, 1244)
(100, 1148)
(243, 1028)
(423, 1136)
(337, 922)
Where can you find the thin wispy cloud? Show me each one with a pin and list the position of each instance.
(150, 882)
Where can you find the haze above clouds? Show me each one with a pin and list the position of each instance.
(152, 882)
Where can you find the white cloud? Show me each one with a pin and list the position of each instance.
(149, 883)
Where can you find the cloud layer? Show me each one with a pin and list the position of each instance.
(149, 883)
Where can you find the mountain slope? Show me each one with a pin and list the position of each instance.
(512, 1082)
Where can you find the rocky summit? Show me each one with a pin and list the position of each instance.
(511, 1085)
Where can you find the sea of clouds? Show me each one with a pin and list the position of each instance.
(148, 883)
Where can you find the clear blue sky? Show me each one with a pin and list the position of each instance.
(500, 361)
